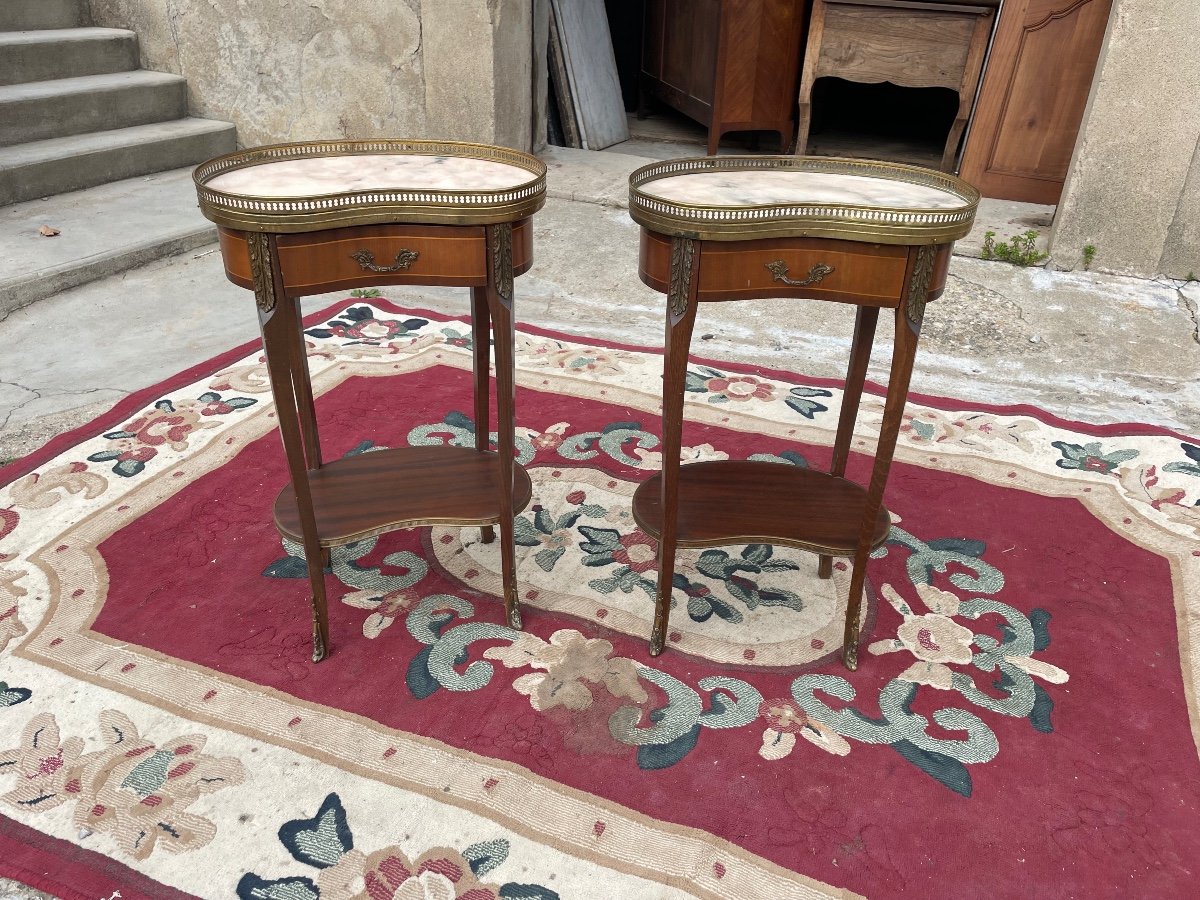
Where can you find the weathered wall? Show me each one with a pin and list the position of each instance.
(284, 70)
(1134, 187)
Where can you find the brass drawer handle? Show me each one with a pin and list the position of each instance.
(366, 259)
(779, 269)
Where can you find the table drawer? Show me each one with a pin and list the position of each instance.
(373, 255)
(365, 255)
(868, 274)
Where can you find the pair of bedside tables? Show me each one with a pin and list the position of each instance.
(302, 219)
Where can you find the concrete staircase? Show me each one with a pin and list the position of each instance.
(93, 147)
(75, 111)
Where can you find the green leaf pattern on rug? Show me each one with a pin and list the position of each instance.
(458, 430)
(325, 843)
(321, 840)
(570, 668)
(612, 440)
(1090, 457)
(1192, 467)
(11, 696)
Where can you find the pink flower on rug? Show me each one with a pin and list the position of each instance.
(638, 550)
(932, 637)
(46, 767)
(384, 607)
(740, 387)
(131, 449)
(551, 438)
(388, 874)
(138, 792)
(569, 660)
(161, 427)
(785, 721)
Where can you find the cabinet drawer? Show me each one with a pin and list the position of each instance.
(870, 274)
(374, 255)
(365, 255)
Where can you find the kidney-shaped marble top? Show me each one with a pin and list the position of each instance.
(324, 175)
(770, 187)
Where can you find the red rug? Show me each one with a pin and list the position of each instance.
(1022, 723)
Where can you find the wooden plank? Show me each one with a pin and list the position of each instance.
(592, 72)
(561, 84)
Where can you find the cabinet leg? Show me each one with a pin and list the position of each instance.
(481, 342)
(302, 384)
(279, 325)
(681, 317)
(500, 304)
(856, 375)
(908, 329)
(805, 122)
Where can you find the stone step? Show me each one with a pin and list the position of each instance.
(23, 15)
(103, 230)
(42, 168)
(27, 56)
(42, 110)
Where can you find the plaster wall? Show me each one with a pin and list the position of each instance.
(1133, 191)
(328, 69)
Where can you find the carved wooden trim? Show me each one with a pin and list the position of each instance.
(683, 251)
(918, 285)
(258, 244)
(501, 260)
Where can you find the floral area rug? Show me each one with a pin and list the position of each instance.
(1022, 723)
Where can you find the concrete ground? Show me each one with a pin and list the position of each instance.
(1087, 346)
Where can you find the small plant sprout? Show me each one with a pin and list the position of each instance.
(1089, 254)
(1020, 249)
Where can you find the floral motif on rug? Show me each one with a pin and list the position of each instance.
(1027, 649)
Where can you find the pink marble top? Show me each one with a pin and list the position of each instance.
(766, 187)
(324, 175)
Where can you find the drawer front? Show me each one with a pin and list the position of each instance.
(377, 255)
(909, 47)
(369, 255)
(846, 271)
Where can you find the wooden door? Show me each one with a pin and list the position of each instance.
(1034, 93)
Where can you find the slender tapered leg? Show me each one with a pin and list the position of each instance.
(302, 385)
(481, 341)
(278, 320)
(681, 317)
(500, 304)
(909, 315)
(856, 375)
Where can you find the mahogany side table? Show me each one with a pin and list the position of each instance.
(876, 235)
(301, 219)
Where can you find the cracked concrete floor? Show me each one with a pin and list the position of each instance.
(1085, 346)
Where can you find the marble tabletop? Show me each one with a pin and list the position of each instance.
(324, 175)
(768, 187)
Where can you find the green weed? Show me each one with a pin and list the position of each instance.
(1020, 249)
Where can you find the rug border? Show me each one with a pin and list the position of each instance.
(135, 401)
(104, 874)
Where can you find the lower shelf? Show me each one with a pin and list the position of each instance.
(372, 493)
(741, 502)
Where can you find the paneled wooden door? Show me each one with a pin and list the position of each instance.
(1034, 93)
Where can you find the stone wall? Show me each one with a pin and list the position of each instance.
(284, 71)
(1133, 191)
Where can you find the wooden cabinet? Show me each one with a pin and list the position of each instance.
(911, 43)
(732, 65)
